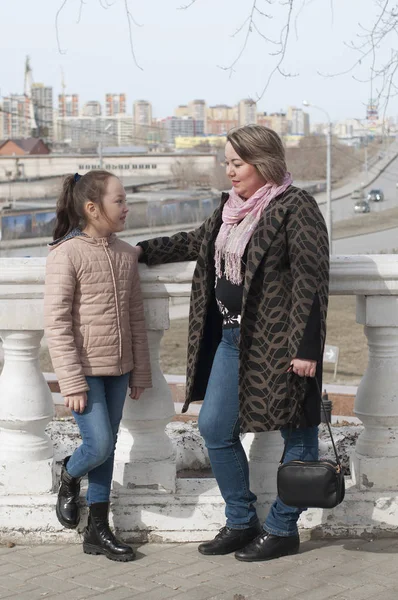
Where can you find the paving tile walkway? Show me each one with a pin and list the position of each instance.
(338, 569)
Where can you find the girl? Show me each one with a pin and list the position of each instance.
(95, 328)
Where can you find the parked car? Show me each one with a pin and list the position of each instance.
(358, 194)
(375, 196)
(361, 206)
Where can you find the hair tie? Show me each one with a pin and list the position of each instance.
(76, 177)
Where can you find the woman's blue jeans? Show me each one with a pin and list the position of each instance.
(220, 428)
(99, 425)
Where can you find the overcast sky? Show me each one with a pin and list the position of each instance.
(180, 50)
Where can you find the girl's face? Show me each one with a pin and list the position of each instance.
(245, 178)
(112, 217)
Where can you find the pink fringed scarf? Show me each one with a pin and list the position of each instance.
(240, 218)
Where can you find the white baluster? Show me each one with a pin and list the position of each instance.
(26, 407)
(145, 457)
(375, 459)
(264, 451)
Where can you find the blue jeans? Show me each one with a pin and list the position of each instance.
(99, 425)
(219, 425)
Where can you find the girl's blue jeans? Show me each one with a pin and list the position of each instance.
(99, 425)
(220, 428)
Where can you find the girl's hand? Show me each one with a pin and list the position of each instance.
(303, 368)
(136, 392)
(76, 402)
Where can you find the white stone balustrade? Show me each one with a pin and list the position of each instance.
(150, 502)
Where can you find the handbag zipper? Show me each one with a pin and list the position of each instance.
(337, 468)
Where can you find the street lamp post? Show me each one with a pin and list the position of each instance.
(328, 219)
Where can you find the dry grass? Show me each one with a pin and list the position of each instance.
(343, 331)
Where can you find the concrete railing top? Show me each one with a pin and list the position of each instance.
(350, 275)
(145, 466)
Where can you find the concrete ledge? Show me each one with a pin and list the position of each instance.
(193, 513)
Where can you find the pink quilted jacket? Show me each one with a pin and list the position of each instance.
(93, 312)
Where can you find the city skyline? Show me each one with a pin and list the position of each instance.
(96, 107)
(180, 52)
(67, 123)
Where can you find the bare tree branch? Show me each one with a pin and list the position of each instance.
(373, 45)
(284, 42)
(248, 32)
(105, 4)
(186, 6)
(130, 19)
(263, 14)
(264, 36)
(82, 2)
(382, 75)
(56, 26)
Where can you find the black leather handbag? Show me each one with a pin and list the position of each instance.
(316, 484)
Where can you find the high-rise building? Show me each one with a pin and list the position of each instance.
(42, 98)
(68, 105)
(222, 112)
(18, 118)
(221, 118)
(178, 126)
(298, 121)
(247, 112)
(264, 119)
(86, 133)
(142, 112)
(275, 121)
(92, 109)
(198, 112)
(182, 111)
(15, 122)
(115, 104)
(142, 117)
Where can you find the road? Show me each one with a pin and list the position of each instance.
(371, 243)
(344, 208)
(384, 241)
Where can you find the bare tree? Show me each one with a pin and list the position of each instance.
(106, 5)
(186, 175)
(382, 74)
(368, 42)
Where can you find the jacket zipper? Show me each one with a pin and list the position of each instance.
(116, 304)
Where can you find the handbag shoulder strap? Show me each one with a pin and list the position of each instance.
(327, 422)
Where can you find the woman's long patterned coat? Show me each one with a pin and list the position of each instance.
(284, 308)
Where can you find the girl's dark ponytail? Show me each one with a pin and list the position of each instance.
(66, 216)
(76, 191)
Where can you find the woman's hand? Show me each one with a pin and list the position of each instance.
(76, 402)
(136, 392)
(303, 368)
(139, 251)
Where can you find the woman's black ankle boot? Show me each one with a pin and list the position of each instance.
(67, 509)
(99, 539)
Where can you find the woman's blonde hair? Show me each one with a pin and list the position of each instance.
(261, 147)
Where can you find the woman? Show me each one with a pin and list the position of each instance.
(258, 310)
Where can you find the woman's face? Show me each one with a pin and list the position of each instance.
(244, 177)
